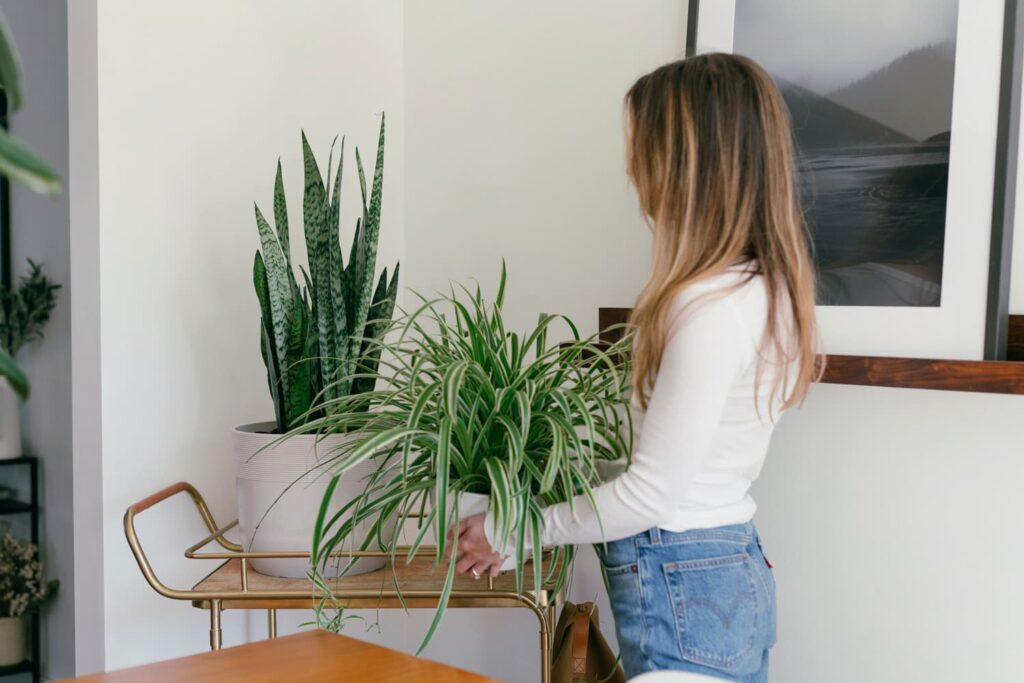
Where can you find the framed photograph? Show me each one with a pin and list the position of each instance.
(896, 108)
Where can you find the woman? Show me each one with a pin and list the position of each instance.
(725, 341)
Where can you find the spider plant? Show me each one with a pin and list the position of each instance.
(464, 405)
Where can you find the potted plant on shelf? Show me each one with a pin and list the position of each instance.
(22, 591)
(318, 346)
(24, 312)
(470, 414)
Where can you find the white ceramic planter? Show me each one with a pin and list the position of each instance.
(274, 517)
(12, 640)
(10, 422)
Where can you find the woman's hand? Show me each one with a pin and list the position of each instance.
(475, 554)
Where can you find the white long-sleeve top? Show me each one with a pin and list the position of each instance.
(703, 438)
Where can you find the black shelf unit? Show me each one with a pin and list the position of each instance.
(31, 508)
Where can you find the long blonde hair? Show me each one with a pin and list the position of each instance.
(710, 153)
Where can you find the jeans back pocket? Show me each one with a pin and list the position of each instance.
(718, 611)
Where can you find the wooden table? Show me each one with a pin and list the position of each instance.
(301, 658)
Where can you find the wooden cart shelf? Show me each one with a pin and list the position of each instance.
(234, 584)
(373, 590)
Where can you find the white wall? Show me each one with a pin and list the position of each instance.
(40, 231)
(891, 517)
(86, 373)
(196, 102)
(515, 150)
(505, 141)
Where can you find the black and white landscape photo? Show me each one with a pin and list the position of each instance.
(869, 86)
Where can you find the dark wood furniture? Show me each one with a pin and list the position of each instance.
(31, 508)
(986, 376)
(310, 657)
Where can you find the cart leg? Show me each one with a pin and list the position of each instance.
(272, 623)
(215, 632)
(544, 615)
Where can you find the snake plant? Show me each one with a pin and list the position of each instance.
(318, 339)
(468, 406)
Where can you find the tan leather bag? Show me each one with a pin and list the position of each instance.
(581, 653)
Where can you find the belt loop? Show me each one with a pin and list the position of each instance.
(655, 534)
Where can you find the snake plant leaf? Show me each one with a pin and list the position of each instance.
(326, 346)
(350, 272)
(314, 217)
(281, 215)
(312, 348)
(377, 320)
(267, 347)
(371, 234)
(300, 396)
(15, 377)
(21, 166)
(279, 280)
(337, 270)
(335, 198)
(273, 378)
(10, 80)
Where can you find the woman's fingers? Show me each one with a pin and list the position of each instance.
(466, 563)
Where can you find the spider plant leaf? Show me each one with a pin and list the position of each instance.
(417, 542)
(371, 444)
(10, 67)
(15, 377)
(22, 166)
(441, 472)
(536, 522)
(502, 493)
(442, 605)
(516, 443)
(499, 298)
(556, 459)
(318, 527)
(452, 385)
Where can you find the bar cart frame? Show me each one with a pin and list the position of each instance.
(235, 585)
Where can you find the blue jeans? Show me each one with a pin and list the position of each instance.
(702, 600)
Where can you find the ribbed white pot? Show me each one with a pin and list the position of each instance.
(10, 422)
(280, 488)
(12, 641)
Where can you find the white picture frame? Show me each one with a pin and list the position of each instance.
(955, 329)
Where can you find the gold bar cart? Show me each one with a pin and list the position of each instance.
(235, 585)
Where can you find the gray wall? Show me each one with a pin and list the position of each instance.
(40, 231)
